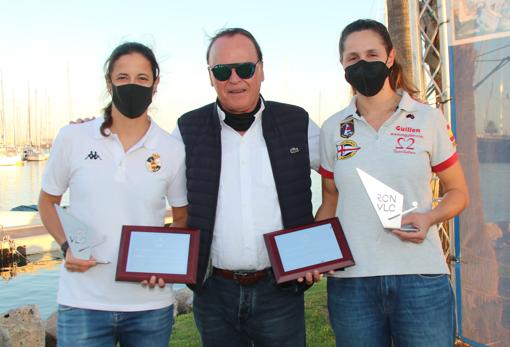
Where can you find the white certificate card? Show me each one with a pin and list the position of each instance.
(153, 252)
(307, 247)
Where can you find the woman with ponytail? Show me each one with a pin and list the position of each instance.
(121, 169)
(398, 293)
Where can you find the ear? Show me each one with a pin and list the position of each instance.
(155, 86)
(391, 58)
(109, 87)
(262, 71)
(210, 77)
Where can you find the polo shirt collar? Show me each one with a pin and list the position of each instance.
(97, 128)
(149, 140)
(350, 110)
(407, 104)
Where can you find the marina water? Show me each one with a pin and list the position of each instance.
(20, 185)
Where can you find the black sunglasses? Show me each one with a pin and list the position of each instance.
(222, 72)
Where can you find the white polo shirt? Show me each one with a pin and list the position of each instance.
(248, 204)
(110, 188)
(412, 144)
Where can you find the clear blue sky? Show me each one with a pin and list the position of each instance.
(55, 50)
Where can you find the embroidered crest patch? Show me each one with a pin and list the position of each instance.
(346, 149)
(347, 128)
(153, 163)
(450, 132)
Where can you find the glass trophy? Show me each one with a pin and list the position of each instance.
(387, 202)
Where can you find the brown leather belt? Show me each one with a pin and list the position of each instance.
(244, 278)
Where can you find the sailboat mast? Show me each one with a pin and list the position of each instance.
(2, 111)
(29, 116)
(15, 120)
(69, 94)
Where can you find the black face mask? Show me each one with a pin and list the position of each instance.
(367, 77)
(131, 99)
(243, 121)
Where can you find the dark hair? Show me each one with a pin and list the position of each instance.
(396, 76)
(124, 49)
(229, 32)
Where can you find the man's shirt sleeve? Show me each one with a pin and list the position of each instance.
(327, 153)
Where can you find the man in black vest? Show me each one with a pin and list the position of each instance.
(248, 173)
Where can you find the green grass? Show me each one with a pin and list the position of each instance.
(185, 333)
(318, 330)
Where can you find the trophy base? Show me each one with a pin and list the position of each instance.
(409, 228)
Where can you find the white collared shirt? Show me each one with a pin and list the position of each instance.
(248, 204)
(109, 188)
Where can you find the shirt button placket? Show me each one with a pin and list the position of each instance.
(245, 181)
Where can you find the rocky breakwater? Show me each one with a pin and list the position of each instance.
(23, 327)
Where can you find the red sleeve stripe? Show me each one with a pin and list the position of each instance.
(325, 173)
(445, 164)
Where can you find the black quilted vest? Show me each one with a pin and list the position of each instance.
(285, 130)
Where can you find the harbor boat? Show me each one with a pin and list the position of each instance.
(9, 156)
(26, 229)
(494, 148)
(493, 143)
(35, 154)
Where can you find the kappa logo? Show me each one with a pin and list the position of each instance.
(347, 128)
(346, 149)
(93, 156)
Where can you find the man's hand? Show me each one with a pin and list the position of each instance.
(151, 283)
(81, 120)
(313, 277)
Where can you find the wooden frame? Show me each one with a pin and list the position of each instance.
(344, 260)
(128, 231)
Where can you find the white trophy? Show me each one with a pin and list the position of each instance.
(78, 235)
(387, 202)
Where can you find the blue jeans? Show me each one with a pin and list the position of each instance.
(228, 314)
(410, 310)
(79, 327)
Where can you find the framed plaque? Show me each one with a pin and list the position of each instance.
(318, 246)
(165, 252)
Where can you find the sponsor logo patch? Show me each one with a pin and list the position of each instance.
(153, 163)
(405, 145)
(347, 128)
(346, 149)
(450, 133)
(407, 131)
